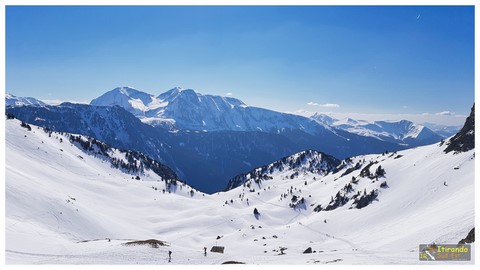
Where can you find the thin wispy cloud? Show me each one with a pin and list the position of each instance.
(228, 94)
(57, 101)
(445, 113)
(327, 105)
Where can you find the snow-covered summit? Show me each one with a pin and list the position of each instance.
(170, 93)
(131, 99)
(323, 118)
(11, 100)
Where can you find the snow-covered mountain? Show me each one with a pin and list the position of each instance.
(11, 100)
(205, 160)
(185, 109)
(306, 161)
(112, 125)
(71, 210)
(401, 132)
(443, 130)
(170, 128)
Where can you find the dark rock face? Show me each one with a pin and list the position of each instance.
(464, 140)
(308, 250)
(366, 199)
(217, 249)
(470, 237)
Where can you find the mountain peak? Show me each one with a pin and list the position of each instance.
(126, 90)
(12, 100)
(464, 140)
(174, 92)
(131, 99)
(323, 118)
(189, 92)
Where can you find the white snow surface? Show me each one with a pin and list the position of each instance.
(62, 209)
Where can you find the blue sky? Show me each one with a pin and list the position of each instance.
(374, 60)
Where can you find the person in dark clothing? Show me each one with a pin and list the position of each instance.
(205, 251)
(169, 254)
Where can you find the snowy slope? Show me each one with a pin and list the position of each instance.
(11, 100)
(423, 189)
(428, 191)
(68, 194)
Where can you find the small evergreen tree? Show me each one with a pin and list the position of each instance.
(380, 172)
(25, 125)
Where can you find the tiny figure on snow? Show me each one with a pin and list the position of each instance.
(205, 251)
(169, 254)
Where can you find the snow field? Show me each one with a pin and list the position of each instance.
(62, 206)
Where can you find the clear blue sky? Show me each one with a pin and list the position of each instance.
(365, 59)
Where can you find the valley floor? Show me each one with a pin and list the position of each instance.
(114, 252)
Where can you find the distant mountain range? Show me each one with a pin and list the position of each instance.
(401, 132)
(443, 130)
(11, 100)
(209, 139)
